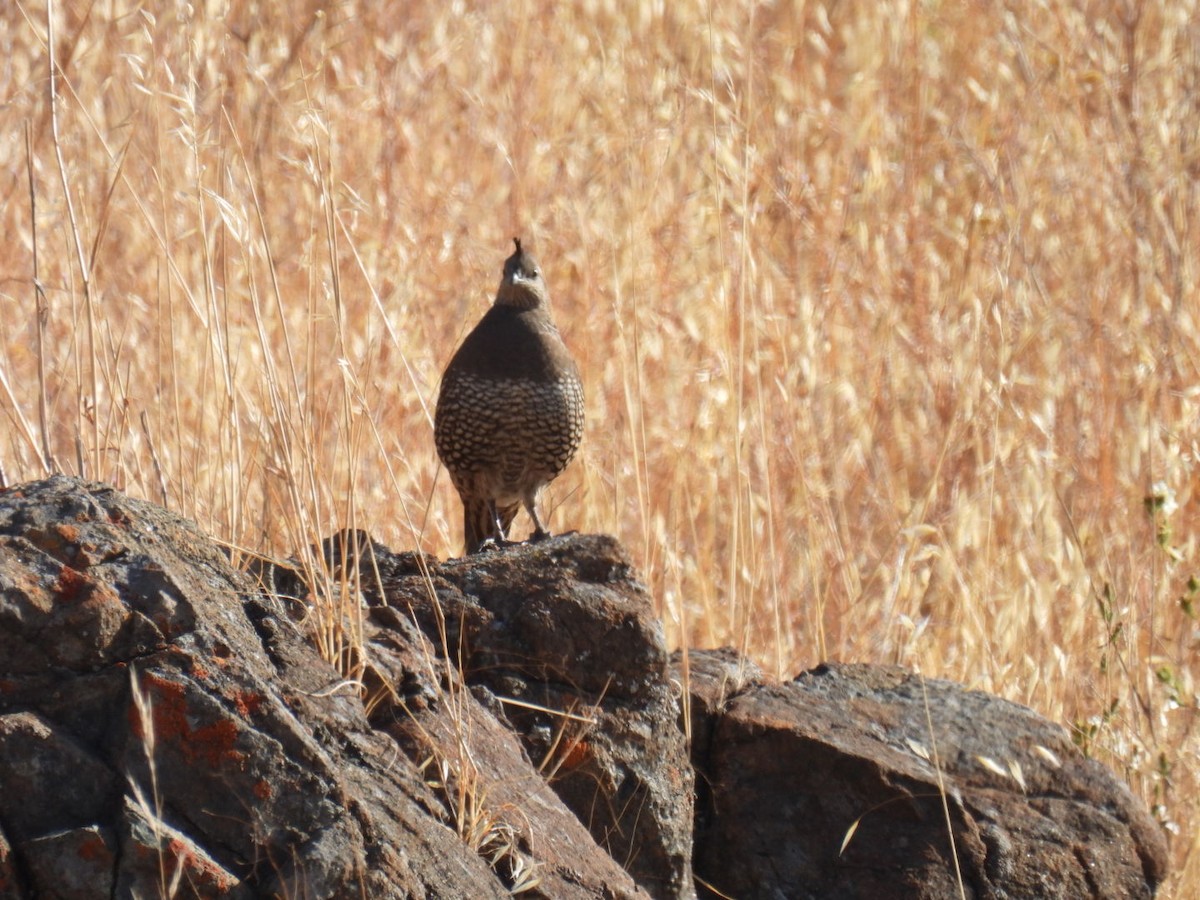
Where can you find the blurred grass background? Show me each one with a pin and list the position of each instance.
(887, 311)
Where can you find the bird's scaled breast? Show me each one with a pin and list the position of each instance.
(486, 422)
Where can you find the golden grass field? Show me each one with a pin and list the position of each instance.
(887, 312)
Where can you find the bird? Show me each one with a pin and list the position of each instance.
(510, 409)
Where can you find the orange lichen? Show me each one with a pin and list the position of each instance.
(70, 584)
(210, 744)
(246, 702)
(93, 848)
(577, 753)
(67, 532)
(214, 742)
(198, 869)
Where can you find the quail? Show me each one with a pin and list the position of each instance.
(509, 413)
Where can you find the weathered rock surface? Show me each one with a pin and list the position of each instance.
(845, 754)
(166, 728)
(560, 642)
(162, 722)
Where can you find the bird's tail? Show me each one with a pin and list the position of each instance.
(478, 525)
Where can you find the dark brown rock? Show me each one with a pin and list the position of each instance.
(158, 713)
(155, 709)
(844, 755)
(10, 883)
(714, 678)
(72, 865)
(560, 639)
(512, 814)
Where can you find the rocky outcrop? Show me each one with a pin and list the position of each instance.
(560, 642)
(866, 801)
(163, 723)
(510, 724)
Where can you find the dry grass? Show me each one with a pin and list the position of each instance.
(887, 311)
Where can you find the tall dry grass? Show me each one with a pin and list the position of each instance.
(887, 311)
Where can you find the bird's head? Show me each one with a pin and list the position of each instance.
(522, 284)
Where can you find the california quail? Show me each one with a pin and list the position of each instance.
(510, 411)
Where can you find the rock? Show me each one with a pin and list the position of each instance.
(159, 715)
(828, 787)
(560, 640)
(509, 813)
(153, 855)
(167, 728)
(714, 678)
(72, 865)
(10, 882)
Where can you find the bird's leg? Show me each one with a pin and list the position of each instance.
(498, 534)
(498, 538)
(539, 530)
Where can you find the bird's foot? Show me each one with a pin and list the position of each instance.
(498, 543)
(491, 544)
